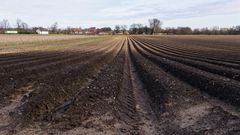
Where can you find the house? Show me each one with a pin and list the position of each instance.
(91, 31)
(11, 32)
(42, 31)
(77, 31)
(103, 33)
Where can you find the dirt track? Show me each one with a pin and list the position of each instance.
(124, 85)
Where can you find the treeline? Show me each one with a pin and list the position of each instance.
(154, 27)
(23, 28)
(139, 29)
(70, 30)
(206, 31)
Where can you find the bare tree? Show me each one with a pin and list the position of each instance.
(117, 29)
(21, 25)
(18, 23)
(136, 29)
(24, 26)
(124, 29)
(54, 27)
(139, 28)
(133, 29)
(4, 24)
(155, 25)
(237, 29)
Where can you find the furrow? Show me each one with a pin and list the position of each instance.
(223, 71)
(223, 88)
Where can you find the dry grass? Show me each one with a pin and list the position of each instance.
(19, 39)
(26, 43)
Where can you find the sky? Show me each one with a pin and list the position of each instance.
(101, 13)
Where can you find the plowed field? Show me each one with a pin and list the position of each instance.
(121, 85)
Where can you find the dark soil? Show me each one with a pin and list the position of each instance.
(136, 85)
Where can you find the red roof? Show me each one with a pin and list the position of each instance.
(92, 29)
(76, 30)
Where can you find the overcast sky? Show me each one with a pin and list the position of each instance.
(100, 13)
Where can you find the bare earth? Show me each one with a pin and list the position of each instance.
(143, 85)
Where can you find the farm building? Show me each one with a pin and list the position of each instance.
(11, 32)
(77, 31)
(42, 31)
(103, 33)
(91, 31)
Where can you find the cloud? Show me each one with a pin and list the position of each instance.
(176, 11)
(108, 12)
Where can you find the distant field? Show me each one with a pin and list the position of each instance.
(25, 43)
(18, 39)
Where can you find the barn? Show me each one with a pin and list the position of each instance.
(11, 32)
(76, 31)
(91, 31)
(42, 31)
